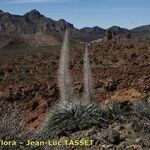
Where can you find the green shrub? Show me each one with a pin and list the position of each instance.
(116, 111)
(141, 115)
(71, 117)
(2, 72)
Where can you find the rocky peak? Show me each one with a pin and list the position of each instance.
(63, 22)
(118, 30)
(33, 14)
(114, 28)
(98, 29)
(93, 30)
(144, 28)
(1, 11)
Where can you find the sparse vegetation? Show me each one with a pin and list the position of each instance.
(109, 35)
(12, 127)
(128, 35)
(71, 117)
(34, 77)
(74, 116)
(141, 115)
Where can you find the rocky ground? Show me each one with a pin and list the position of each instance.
(121, 72)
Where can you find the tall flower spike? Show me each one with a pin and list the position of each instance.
(88, 83)
(64, 79)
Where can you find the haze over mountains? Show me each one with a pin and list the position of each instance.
(12, 26)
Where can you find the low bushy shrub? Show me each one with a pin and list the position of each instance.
(73, 116)
(141, 115)
(70, 117)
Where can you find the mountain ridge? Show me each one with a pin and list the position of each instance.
(35, 14)
(12, 26)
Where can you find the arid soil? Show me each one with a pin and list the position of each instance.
(121, 72)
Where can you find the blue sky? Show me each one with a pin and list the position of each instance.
(81, 13)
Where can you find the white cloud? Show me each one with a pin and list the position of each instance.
(37, 1)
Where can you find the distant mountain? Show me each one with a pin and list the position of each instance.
(92, 31)
(141, 29)
(33, 26)
(34, 23)
(118, 30)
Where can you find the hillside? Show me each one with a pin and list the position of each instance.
(141, 29)
(28, 85)
(15, 27)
